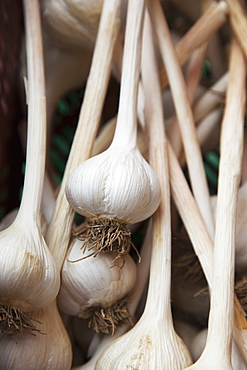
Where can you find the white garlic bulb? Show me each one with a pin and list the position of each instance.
(117, 184)
(48, 349)
(29, 276)
(96, 288)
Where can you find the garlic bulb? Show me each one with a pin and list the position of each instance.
(153, 343)
(96, 288)
(118, 184)
(49, 349)
(29, 277)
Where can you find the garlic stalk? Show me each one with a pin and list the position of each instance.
(213, 18)
(29, 278)
(184, 115)
(152, 343)
(117, 187)
(59, 229)
(96, 288)
(217, 352)
(211, 98)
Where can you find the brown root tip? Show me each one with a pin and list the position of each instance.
(107, 320)
(106, 235)
(13, 321)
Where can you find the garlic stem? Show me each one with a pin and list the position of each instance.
(238, 23)
(58, 233)
(36, 141)
(29, 278)
(126, 134)
(159, 305)
(219, 340)
(184, 114)
(211, 98)
(192, 80)
(200, 239)
(201, 32)
(152, 342)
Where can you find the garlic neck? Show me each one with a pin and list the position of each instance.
(126, 129)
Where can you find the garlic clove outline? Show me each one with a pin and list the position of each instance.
(93, 285)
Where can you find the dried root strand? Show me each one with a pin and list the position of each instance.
(106, 320)
(189, 267)
(106, 235)
(241, 293)
(13, 321)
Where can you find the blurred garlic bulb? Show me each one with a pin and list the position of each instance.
(96, 288)
(73, 23)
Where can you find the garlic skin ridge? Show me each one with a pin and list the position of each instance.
(34, 281)
(93, 281)
(118, 184)
(146, 346)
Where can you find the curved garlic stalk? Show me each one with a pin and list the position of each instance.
(241, 255)
(96, 289)
(152, 343)
(29, 277)
(48, 349)
(217, 352)
(198, 344)
(117, 187)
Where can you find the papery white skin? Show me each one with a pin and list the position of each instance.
(47, 351)
(148, 346)
(29, 277)
(117, 183)
(93, 280)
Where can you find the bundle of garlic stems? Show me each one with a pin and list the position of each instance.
(221, 319)
(117, 189)
(29, 276)
(153, 343)
(113, 190)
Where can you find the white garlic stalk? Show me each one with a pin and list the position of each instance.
(48, 349)
(217, 352)
(96, 288)
(198, 343)
(152, 343)
(29, 278)
(117, 187)
(241, 254)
